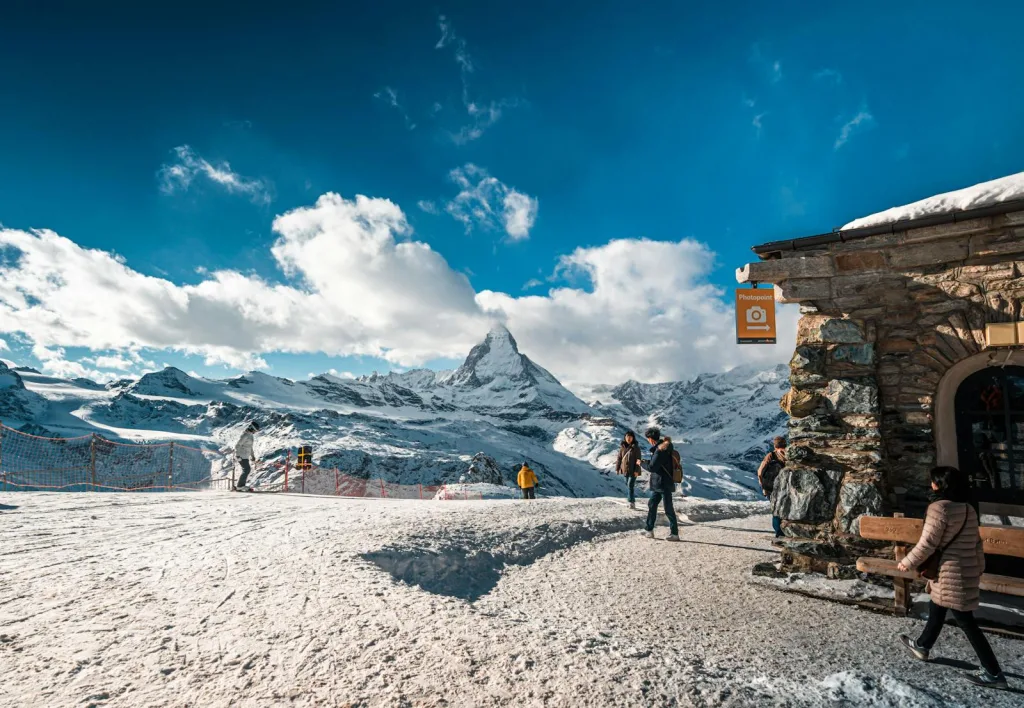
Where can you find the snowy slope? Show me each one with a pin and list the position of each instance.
(425, 427)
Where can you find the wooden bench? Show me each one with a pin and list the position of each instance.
(905, 533)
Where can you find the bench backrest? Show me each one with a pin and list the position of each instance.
(997, 540)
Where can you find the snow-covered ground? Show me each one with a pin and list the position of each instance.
(210, 599)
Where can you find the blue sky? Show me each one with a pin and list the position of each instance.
(580, 147)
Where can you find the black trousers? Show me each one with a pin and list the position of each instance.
(670, 512)
(245, 473)
(936, 617)
(529, 493)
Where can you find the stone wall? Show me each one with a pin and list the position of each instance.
(883, 319)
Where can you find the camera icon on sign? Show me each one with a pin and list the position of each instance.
(757, 315)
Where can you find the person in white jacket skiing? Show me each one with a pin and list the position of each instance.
(244, 453)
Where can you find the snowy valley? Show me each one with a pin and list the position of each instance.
(426, 427)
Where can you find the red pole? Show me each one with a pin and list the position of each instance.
(421, 491)
(287, 462)
(383, 492)
(302, 482)
(337, 489)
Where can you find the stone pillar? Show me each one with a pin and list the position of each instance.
(836, 461)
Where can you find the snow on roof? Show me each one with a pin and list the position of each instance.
(980, 195)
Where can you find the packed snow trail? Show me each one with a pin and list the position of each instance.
(212, 599)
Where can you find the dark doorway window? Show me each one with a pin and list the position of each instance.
(990, 432)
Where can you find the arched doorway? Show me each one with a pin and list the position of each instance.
(989, 415)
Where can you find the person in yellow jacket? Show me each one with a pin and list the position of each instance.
(528, 482)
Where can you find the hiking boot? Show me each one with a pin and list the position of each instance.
(632, 505)
(648, 534)
(984, 678)
(673, 537)
(914, 648)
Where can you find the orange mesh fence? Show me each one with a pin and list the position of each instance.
(93, 463)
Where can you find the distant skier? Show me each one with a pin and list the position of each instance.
(244, 453)
(628, 464)
(661, 484)
(768, 472)
(528, 482)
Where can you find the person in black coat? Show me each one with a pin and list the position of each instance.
(661, 484)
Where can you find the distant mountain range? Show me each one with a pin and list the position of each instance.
(426, 427)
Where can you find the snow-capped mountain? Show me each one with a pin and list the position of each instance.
(497, 410)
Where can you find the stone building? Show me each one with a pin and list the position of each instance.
(909, 353)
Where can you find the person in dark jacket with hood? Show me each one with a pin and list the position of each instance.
(628, 463)
(661, 483)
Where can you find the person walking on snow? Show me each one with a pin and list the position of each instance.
(951, 530)
(244, 453)
(661, 484)
(528, 482)
(768, 472)
(628, 463)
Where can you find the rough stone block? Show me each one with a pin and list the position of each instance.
(860, 261)
(999, 243)
(808, 359)
(931, 253)
(855, 500)
(803, 289)
(806, 495)
(776, 271)
(896, 345)
(943, 231)
(862, 354)
(848, 396)
(799, 403)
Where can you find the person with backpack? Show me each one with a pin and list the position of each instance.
(244, 452)
(661, 483)
(951, 556)
(527, 482)
(628, 463)
(768, 472)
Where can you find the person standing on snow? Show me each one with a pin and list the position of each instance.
(628, 463)
(661, 484)
(768, 472)
(244, 453)
(528, 482)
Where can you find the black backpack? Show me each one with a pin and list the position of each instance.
(771, 472)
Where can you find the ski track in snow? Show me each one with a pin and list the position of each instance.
(211, 599)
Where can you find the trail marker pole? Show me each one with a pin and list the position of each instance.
(170, 467)
(92, 460)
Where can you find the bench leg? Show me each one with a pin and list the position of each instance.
(901, 586)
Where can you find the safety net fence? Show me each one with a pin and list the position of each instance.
(94, 463)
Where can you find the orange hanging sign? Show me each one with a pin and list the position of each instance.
(755, 316)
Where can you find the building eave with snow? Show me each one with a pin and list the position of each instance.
(909, 353)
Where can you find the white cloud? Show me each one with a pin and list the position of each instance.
(355, 289)
(481, 115)
(776, 74)
(177, 177)
(428, 206)
(3, 346)
(487, 202)
(357, 284)
(863, 119)
(646, 312)
(389, 96)
(756, 122)
(829, 75)
(518, 215)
